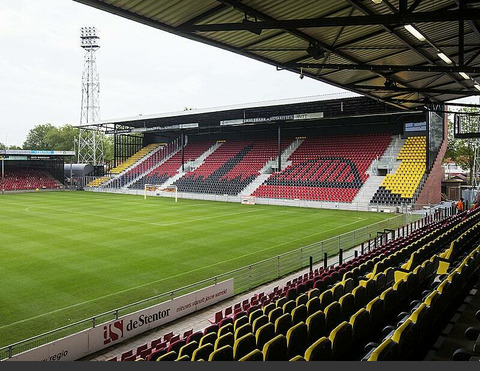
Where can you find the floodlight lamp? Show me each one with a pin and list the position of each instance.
(414, 32)
(464, 75)
(444, 57)
(315, 51)
(477, 86)
(377, 1)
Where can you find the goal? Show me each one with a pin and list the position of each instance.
(248, 200)
(157, 190)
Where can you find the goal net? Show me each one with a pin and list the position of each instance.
(248, 200)
(157, 190)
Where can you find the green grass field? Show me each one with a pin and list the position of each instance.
(66, 256)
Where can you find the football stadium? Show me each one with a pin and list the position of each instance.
(302, 229)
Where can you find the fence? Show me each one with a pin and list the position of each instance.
(254, 275)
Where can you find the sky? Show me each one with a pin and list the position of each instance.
(142, 70)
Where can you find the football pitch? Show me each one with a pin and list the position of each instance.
(67, 256)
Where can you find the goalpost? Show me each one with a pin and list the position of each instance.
(248, 200)
(157, 190)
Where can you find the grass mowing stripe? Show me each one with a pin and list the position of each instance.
(157, 281)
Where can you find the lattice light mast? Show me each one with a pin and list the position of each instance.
(90, 149)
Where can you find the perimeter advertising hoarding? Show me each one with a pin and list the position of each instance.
(105, 335)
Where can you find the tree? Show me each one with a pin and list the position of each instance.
(61, 139)
(37, 137)
(2, 146)
(462, 151)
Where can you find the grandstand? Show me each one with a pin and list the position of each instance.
(300, 155)
(32, 170)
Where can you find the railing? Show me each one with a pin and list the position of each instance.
(245, 278)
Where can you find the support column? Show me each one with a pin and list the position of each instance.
(279, 148)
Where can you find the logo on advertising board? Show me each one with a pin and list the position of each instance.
(112, 332)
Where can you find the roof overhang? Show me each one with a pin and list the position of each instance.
(359, 46)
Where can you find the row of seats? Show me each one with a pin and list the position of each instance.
(124, 165)
(231, 168)
(19, 178)
(169, 168)
(400, 187)
(427, 316)
(331, 168)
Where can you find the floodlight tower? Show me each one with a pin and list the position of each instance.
(90, 149)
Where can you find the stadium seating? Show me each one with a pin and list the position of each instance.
(20, 179)
(170, 167)
(411, 294)
(124, 165)
(234, 165)
(330, 168)
(400, 187)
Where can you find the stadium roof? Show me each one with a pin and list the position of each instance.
(359, 45)
(316, 110)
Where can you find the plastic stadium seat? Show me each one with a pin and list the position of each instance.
(279, 303)
(240, 322)
(297, 337)
(283, 323)
(301, 299)
(176, 345)
(321, 350)
(259, 322)
(208, 339)
(316, 326)
(360, 322)
(243, 330)
(347, 303)
(341, 339)
(212, 328)
(254, 315)
(224, 353)
(359, 294)
(337, 291)
(268, 308)
(386, 351)
(326, 298)
(254, 355)
(243, 346)
(264, 334)
(389, 297)
(275, 349)
(196, 336)
(225, 339)
(288, 306)
(225, 322)
(313, 293)
(299, 314)
(333, 315)
(274, 314)
(170, 356)
(375, 310)
(202, 352)
(313, 305)
(405, 336)
(228, 328)
(188, 349)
